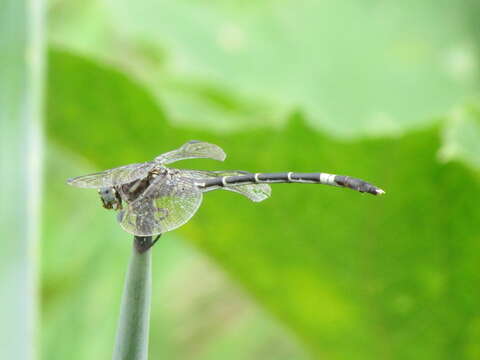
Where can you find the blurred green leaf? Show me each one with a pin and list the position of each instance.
(461, 136)
(351, 67)
(354, 276)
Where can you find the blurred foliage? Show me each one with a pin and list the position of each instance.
(461, 136)
(352, 67)
(21, 70)
(354, 276)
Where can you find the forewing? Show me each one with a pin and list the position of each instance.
(113, 177)
(169, 202)
(191, 150)
(255, 192)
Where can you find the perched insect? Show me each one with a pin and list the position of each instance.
(153, 199)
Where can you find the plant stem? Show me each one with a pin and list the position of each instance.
(132, 333)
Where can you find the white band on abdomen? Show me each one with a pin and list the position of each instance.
(328, 179)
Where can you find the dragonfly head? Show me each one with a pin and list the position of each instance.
(110, 198)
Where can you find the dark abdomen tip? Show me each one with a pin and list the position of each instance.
(358, 185)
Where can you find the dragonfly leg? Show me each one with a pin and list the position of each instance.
(155, 240)
(144, 243)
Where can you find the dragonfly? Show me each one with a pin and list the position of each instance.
(152, 199)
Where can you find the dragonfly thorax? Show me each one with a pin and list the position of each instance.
(131, 191)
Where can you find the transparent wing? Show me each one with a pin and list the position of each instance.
(190, 150)
(169, 202)
(255, 192)
(112, 177)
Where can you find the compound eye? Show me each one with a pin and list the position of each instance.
(105, 191)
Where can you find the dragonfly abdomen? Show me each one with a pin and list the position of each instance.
(292, 177)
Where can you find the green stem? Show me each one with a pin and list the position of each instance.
(132, 333)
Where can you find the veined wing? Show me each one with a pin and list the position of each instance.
(191, 150)
(113, 177)
(255, 192)
(169, 202)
